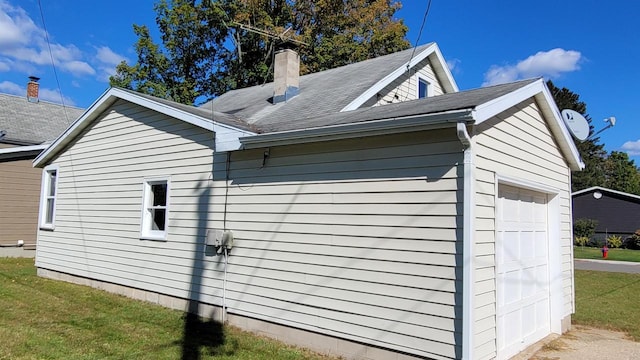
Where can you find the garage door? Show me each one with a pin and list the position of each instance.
(522, 269)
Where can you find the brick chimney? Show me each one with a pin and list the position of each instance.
(286, 75)
(32, 89)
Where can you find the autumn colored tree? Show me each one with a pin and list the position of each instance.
(205, 50)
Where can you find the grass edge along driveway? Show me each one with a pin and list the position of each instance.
(608, 300)
(583, 252)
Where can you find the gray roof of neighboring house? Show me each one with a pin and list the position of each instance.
(33, 122)
(323, 92)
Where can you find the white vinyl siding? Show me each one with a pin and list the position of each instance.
(405, 87)
(352, 238)
(517, 144)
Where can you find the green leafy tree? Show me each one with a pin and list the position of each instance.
(592, 153)
(621, 173)
(205, 52)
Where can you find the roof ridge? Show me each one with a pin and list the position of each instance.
(40, 101)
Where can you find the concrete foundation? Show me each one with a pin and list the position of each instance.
(317, 342)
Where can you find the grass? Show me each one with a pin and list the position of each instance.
(608, 300)
(46, 319)
(580, 252)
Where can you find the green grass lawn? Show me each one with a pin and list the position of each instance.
(608, 300)
(580, 252)
(46, 319)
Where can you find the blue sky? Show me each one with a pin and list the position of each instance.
(591, 47)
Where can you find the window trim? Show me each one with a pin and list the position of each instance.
(146, 233)
(423, 79)
(44, 197)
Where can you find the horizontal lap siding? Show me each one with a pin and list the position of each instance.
(405, 88)
(19, 201)
(519, 144)
(99, 201)
(352, 238)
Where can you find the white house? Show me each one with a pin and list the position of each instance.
(377, 212)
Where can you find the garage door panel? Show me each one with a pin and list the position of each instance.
(523, 271)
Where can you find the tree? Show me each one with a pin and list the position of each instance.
(205, 52)
(593, 154)
(621, 173)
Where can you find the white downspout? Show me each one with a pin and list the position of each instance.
(468, 242)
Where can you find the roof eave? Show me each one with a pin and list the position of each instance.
(394, 125)
(104, 102)
(21, 151)
(440, 67)
(600, 188)
(539, 91)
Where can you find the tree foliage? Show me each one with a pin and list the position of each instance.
(614, 171)
(593, 154)
(205, 52)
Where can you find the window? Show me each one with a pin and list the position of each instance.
(424, 88)
(155, 209)
(48, 197)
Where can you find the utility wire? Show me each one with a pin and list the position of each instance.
(424, 20)
(413, 52)
(53, 65)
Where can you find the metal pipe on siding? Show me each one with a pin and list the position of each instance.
(467, 240)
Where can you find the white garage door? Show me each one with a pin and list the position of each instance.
(522, 269)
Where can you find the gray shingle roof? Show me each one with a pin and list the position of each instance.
(453, 101)
(320, 93)
(203, 111)
(33, 123)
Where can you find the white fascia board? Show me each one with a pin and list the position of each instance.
(106, 100)
(600, 188)
(441, 69)
(19, 149)
(431, 49)
(539, 91)
(361, 129)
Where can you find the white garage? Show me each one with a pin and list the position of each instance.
(522, 254)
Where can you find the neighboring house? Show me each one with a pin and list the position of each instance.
(617, 212)
(434, 228)
(26, 124)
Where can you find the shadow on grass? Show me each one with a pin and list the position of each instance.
(203, 336)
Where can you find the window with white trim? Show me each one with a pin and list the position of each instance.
(48, 192)
(424, 88)
(155, 209)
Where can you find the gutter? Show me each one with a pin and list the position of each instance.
(467, 241)
(363, 128)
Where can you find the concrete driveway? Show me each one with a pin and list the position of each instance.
(607, 265)
(586, 343)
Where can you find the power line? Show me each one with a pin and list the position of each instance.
(53, 65)
(424, 20)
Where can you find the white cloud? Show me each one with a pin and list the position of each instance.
(107, 56)
(12, 88)
(549, 64)
(24, 43)
(107, 62)
(16, 27)
(78, 67)
(632, 147)
(44, 94)
(452, 64)
(4, 66)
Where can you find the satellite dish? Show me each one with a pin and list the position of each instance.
(577, 124)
